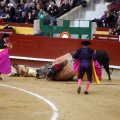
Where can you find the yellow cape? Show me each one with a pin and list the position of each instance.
(94, 75)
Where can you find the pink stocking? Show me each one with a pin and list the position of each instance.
(87, 85)
(79, 82)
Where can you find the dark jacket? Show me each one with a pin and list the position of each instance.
(2, 46)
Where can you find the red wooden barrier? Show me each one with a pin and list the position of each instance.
(103, 29)
(105, 37)
(18, 24)
(51, 48)
(8, 31)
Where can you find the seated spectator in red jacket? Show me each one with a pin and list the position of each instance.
(30, 19)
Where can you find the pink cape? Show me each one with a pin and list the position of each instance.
(97, 66)
(5, 66)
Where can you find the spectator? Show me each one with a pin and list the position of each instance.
(34, 14)
(17, 14)
(118, 21)
(44, 3)
(65, 7)
(110, 20)
(39, 33)
(28, 8)
(117, 5)
(12, 2)
(33, 6)
(30, 19)
(41, 14)
(11, 12)
(38, 6)
(39, 3)
(8, 27)
(51, 10)
(101, 21)
(47, 19)
(2, 6)
(22, 18)
(117, 31)
(6, 16)
(27, 2)
(110, 32)
(49, 4)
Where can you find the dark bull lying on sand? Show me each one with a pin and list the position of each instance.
(101, 57)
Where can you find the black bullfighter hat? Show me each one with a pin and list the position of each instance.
(85, 43)
(5, 35)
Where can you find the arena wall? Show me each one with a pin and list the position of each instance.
(40, 50)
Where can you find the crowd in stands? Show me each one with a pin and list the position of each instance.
(109, 20)
(26, 11)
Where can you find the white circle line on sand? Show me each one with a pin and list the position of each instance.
(54, 108)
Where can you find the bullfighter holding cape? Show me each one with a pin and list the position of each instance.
(84, 62)
(5, 66)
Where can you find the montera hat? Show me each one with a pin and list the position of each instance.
(5, 35)
(85, 43)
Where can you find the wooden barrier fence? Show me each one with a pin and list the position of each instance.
(47, 48)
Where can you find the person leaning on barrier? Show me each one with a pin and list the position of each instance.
(39, 33)
(7, 26)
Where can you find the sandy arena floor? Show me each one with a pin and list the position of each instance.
(30, 99)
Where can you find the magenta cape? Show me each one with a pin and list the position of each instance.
(96, 70)
(5, 66)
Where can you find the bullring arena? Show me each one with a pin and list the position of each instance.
(30, 99)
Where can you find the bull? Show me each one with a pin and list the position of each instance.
(103, 59)
(101, 56)
(42, 71)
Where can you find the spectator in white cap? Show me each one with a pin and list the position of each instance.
(11, 11)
